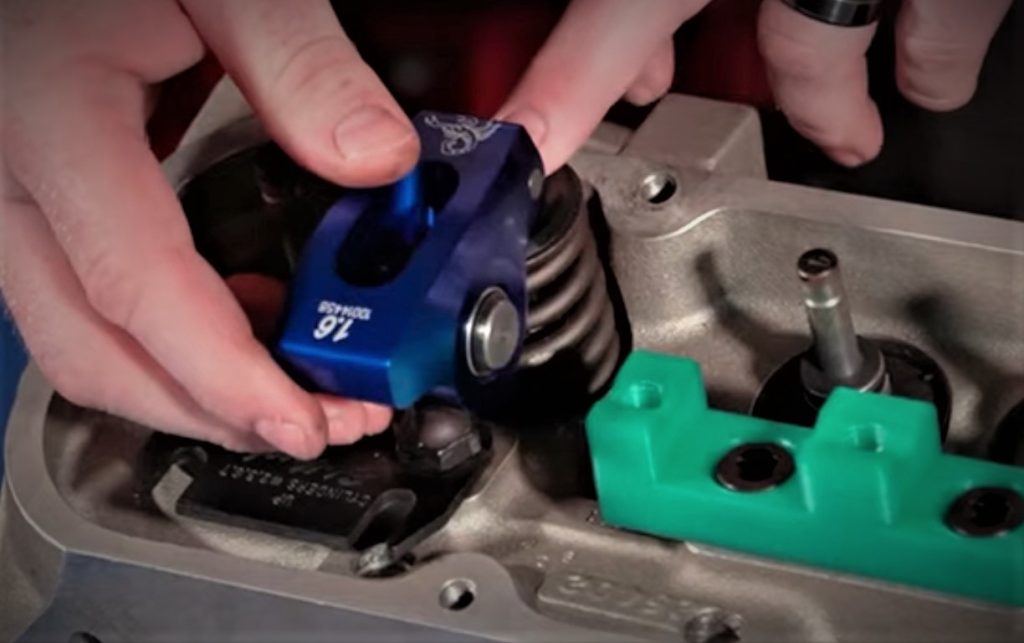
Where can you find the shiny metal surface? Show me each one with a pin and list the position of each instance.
(842, 358)
(705, 273)
(377, 301)
(828, 313)
(842, 13)
(494, 332)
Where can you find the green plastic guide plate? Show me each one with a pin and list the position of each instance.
(868, 496)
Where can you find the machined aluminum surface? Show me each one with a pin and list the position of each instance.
(706, 272)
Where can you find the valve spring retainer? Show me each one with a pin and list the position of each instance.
(570, 310)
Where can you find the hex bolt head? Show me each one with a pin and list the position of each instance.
(986, 511)
(494, 331)
(755, 467)
(441, 425)
(437, 437)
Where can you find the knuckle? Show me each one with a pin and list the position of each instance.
(938, 99)
(937, 75)
(229, 402)
(321, 66)
(119, 283)
(928, 55)
(239, 443)
(114, 286)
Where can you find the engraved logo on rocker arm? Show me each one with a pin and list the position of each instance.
(462, 133)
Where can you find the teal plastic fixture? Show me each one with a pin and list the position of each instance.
(868, 491)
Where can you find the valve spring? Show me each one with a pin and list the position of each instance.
(569, 305)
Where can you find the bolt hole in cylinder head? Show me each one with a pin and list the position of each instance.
(457, 594)
(838, 356)
(658, 187)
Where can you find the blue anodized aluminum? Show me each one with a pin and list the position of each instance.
(382, 292)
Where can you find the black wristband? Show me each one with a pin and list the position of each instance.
(842, 13)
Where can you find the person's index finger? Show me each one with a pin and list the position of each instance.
(122, 228)
(307, 83)
(86, 359)
(819, 78)
(596, 51)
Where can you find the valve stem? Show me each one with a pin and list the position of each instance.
(843, 359)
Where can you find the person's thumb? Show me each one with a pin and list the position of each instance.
(307, 83)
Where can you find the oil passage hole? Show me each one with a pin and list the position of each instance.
(986, 511)
(644, 395)
(658, 187)
(457, 594)
(754, 467)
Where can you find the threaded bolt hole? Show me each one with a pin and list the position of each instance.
(986, 511)
(457, 594)
(754, 467)
(658, 187)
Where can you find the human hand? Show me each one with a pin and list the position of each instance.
(97, 265)
(603, 50)
(96, 261)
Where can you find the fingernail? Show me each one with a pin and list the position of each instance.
(378, 417)
(289, 437)
(345, 420)
(370, 130)
(532, 120)
(849, 158)
(643, 94)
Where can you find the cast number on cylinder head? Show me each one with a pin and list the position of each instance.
(336, 320)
